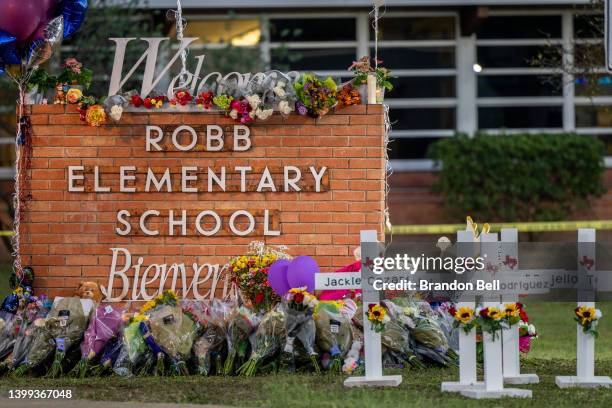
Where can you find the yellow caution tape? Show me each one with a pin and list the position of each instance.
(556, 226)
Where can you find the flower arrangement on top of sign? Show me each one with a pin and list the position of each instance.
(307, 94)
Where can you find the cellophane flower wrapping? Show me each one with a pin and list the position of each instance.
(428, 340)
(334, 332)
(109, 355)
(8, 332)
(241, 323)
(209, 347)
(105, 323)
(174, 332)
(135, 357)
(33, 317)
(268, 339)
(298, 307)
(62, 332)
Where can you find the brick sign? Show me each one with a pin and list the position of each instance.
(163, 199)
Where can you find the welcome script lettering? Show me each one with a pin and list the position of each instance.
(179, 222)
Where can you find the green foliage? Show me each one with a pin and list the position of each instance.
(42, 79)
(83, 78)
(522, 177)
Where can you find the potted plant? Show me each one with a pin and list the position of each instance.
(362, 69)
(39, 84)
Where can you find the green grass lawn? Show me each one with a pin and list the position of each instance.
(552, 354)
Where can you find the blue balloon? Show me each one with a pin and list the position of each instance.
(6, 38)
(74, 13)
(10, 303)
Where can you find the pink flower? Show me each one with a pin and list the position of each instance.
(524, 344)
(73, 64)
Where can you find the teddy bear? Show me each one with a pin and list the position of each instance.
(89, 290)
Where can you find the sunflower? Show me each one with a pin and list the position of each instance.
(495, 313)
(585, 314)
(376, 313)
(464, 314)
(512, 310)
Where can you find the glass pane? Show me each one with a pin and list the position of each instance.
(313, 59)
(519, 85)
(519, 27)
(607, 141)
(415, 28)
(507, 56)
(601, 85)
(520, 117)
(588, 26)
(236, 32)
(426, 118)
(423, 87)
(594, 116)
(417, 57)
(312, 29)
(410, 148)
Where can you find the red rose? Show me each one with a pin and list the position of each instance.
(137, 101)
(147, 103)
(452, 311)
(371, 305)
(259, 298)
(484, 312)
(519, 305)
(524, 316)
(298, 297)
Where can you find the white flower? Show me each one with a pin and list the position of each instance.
(284, 107)
(264, 114)
(254, 101)
(531, 330)
(279, 89)
(116, 112)
(386, 319)
(410, 311)
(597, 314)
(234, 114)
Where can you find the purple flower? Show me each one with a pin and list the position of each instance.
(301, 108)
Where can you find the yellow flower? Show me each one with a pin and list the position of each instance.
(376, 313)
(585, 314)
(512, 310)
(95, 115)
(73, 95)
(495, 313)
(464, 314)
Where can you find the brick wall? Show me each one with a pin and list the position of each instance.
(67, 236)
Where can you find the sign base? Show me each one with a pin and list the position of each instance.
(456, 386)
(583, 382)
(505, 392)
(522, 379)
(384, 381)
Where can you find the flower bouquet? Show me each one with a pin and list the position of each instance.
(396, 341)
(61, 332)
(298, 306)
(208, 348)
(334, 332)
(317, 96)
(9, 327)
(174, 332)
(269, 337)
(490, 320)
(588, 317)
(242, 322)
(250, 273)
(104, 325)
(33, 316)
(135, 357)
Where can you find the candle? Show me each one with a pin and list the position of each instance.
(371, 89)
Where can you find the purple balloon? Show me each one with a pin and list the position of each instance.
(277, 277)
(301, 273)
(23, 18)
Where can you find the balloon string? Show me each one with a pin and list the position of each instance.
(181, 24)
